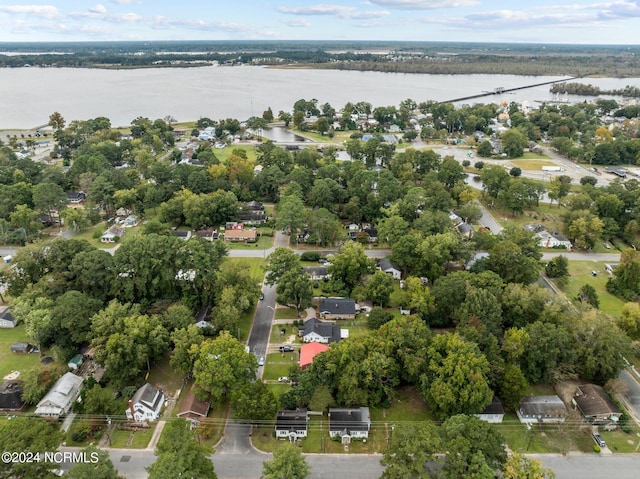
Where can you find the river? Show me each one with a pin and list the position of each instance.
(29, 95)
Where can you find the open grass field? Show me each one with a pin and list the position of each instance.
(580, 274)
(550, 438)
(619, 441)
(288, 313)
(132, 439)
(255, 266)
(278, 364)
(223, 154)
(9, 361)
(532, 164)
(162, 374)
(277, 337)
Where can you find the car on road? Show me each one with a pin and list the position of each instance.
(598, 439)
(283, 379)
(261, 361)
(286, 349)
(261, 297)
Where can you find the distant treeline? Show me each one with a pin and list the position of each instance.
(591, 90)
(399, 57)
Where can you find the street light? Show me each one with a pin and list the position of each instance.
(109, 430)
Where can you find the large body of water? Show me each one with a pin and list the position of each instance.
(29, 95)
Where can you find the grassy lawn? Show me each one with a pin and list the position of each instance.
(528, 155)
(9, 361)
(140, 439)
(264, 242)
(244, 324)
(223, 154)
(278, 338)
(276, 365)
(162, 374)
(255, 265)
(408, 405)
(356, 330)
(212, 428)
(550, 438)
(546, 214)
(287, 313)
(621, 442)
(531, 164)
(580, 274)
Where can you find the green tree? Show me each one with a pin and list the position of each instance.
(37, 381)
(56, 121)
(180, 455)
(485, 149)
(549, 353)
(379, 288)
(411, 452)
(455, 382)
(49, 197)
(351, 265)
(519, 466)
(287, 463)
(557, 267)
(99, 401)
(186, 348)
(587, 294)
(295, 287)
(508, 260)
(76, 219)
(253, 401)
(101, 468)
(281, 261)
(513, 143)
(629, 320)
(31, 434)
(513, 387)
(481, 305)
(626, 277)
(222, 365)
(377, 317)
(474, 448)
(291, 214)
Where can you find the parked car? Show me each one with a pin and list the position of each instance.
(598, 439)
(283, 379)
(286, 349)
(261, 361)
(261, 297)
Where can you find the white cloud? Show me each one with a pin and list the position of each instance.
(425, 4)
(45, 11)
(297, 22)
(333, 10)
(122, 2)
(99, 8)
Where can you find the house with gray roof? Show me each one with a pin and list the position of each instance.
(493, 413)
(6, 318)
(337, 308)
(146, 404)
(292, 424)
(542, 409)
(385, 265)
(11, 396)
(58, 401)
(349, 423)
(316, 331)
(317, 273)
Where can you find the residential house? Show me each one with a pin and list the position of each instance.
(123, 211)
(146, 404)
(493, 413)
(610, 267)
(6, 318)
(210, 234)
(183, 235)
(292, 424)
(235, 236)
(352, 230)
(372, 233)
(76, 197)
(385, 264)
(542, 409)
(114, 233)
(309, 351)
(552, 240)
(11, 396)
(193, 408)
(58, 401)
(595, 405)
(337, 308)
(465, 230)
(316, 331)
(21, 348)
(317, 273)
(349, 423)
(252, 217)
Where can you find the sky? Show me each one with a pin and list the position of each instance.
(521, 21)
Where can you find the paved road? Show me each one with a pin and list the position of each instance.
(592, 466)
(488, 221)
(631, 397)
(577, 256)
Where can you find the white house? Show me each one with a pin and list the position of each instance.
(292, 425)
(109, 236)
(349, 423)
(493, 413)
(60, 398)
(385, 264)
(549, 240)
(316, 331)
(146, 403)
(6, 319)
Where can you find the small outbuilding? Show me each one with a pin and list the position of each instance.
(21, 348)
